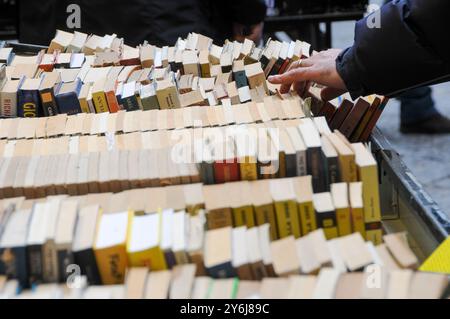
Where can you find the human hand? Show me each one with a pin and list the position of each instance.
(319, 68)
(254, 32)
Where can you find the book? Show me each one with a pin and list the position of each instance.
(285, 204)
(35, 243)
(368, 175)
(357, 208)
(66, 96)
(397, 245)
(346, 155)
(284, 256)
(47, 94)
(314, 155)
(99, 97)
(110, 247)
(354, 252)
(61, 41)
(142, 244)
(135, 281)
(28, 100)
(218, 253)
(84, 241)
(325, 214)
(158, 284)
(182, 282)
(339, 193)
(354, 117)
(304, 198)
(64, 236)
(9, 98)
(13, 247)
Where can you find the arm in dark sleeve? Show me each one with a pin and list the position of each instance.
(408, 49)
(248, 12)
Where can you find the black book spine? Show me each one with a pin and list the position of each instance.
(48, 101)
(68, 103)
(225, 270)
(291, 165)
(334, 175)
(316, 169)
(169, 256)
(326, 219)
(276, 67)
(65, 258)
(264, 61)
(35, 264)
(130, 103)
(240, 78)
(13, 264)
(88, 264)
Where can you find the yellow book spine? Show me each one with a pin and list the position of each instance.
(348, 168)
(358, 221)
(330, 232)
(307, 217)
(248, 169)
(112, 264)
(375, 236)
(84, 106)
(206, 72)
(371, 197)
(244, 216)
(265, 214)
(287, 219)
(152, 258)
(100, 102)
(344, 221)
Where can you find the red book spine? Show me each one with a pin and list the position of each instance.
(113, 105)
(226, 172)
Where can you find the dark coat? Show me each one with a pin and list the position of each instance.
(410, 49)
(160, 22)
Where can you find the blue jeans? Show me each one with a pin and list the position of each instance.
(416, 105)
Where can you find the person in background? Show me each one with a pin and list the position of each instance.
(418, 113)
(398, 59)
(160, 22)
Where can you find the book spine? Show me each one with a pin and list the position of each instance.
(315, 169)
(333, 170)
(224, 270)
(100, 102)
(68, 103)
(248, 169)
(327, 221)
(258, 270)
(240, 79)
(8, 105)
(343, 221)
(276, 67)
(291, 165)
(205, 70)
(219, 218)
(307, 217)
(14, 265)
(170, 259)
(48, 100)
(358, 225)
(112, 102)
(64, 259)
(50, 262)
(112, 263)
(243, 216)
(287, 219)
(150, 103)
(88, 264)
(265, 214)
(35, 264)
(28, 103)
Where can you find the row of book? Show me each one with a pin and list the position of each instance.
(47, 242)
(179, 284)
(162, 227)
(273, 108)
(91, 164)
(40, 238)
(193, 72)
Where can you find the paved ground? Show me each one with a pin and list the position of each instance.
(427, 157)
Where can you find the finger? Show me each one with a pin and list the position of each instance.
(299, 87)
(285, 88)
(298, 74)
(330, 93)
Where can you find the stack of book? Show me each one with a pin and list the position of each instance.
(169, 254)
(92, 74)
(79, 165)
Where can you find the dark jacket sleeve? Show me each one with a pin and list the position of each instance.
(407, 50)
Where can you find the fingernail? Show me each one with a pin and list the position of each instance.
(272, 77)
